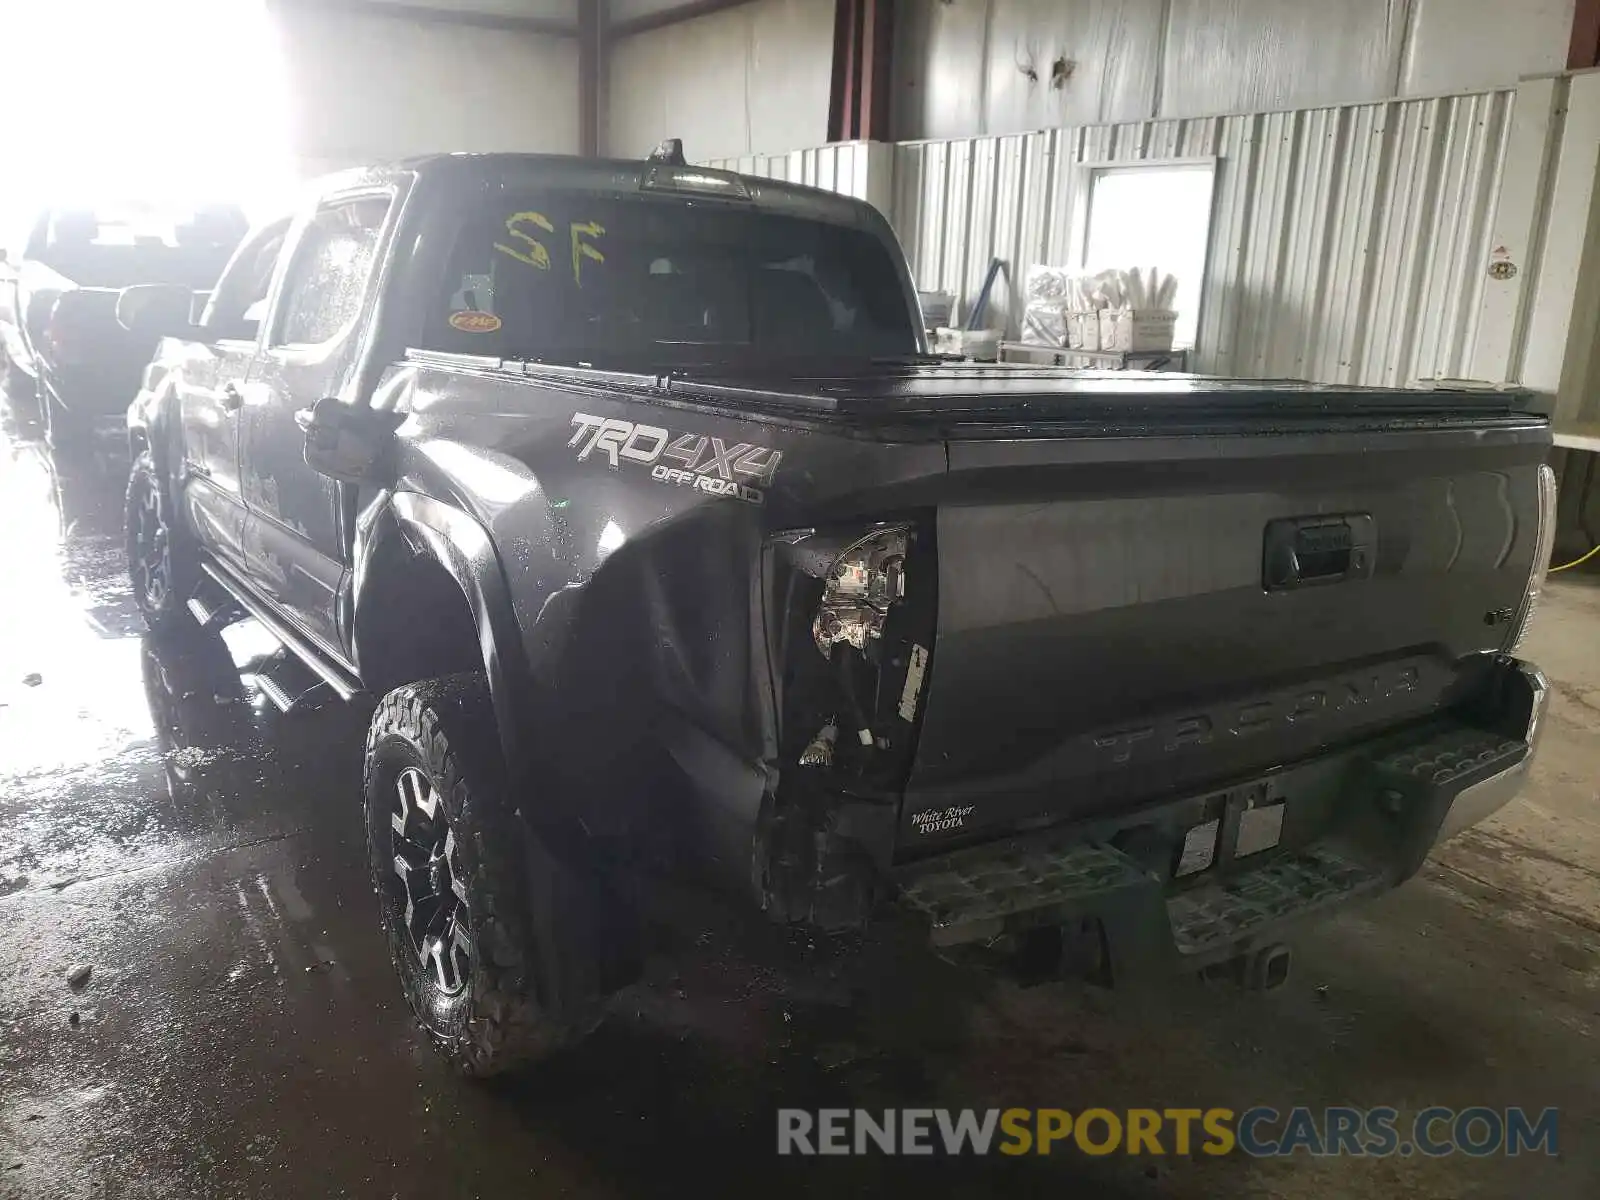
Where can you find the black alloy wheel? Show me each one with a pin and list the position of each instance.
(149, 544)
(429, 891)
(163, 565)
(504, 951)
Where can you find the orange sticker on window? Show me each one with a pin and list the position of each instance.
(474, 322)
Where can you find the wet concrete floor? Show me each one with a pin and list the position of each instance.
(241, 1034)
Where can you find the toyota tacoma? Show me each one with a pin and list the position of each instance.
(629, 494)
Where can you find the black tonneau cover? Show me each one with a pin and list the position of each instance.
(951, 391)
(952, 394)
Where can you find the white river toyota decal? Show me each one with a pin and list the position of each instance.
(706, 464)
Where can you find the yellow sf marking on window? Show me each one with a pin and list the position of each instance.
(535, 255)
(582, 250)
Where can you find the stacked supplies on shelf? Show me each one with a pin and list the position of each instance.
(1119, 311)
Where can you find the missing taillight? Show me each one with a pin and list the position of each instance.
(861, 582)
(864, 582)
(851, 615)
(869, 615)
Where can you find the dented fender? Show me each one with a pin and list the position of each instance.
(463, 548)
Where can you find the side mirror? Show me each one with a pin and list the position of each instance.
(155, 310)
(347, 442)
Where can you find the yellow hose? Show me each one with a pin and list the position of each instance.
(1577, 562)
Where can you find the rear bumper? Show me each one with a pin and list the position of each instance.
(1481, 800)
(1190, 882)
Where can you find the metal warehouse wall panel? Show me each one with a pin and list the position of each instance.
(352, 79)
(1348, 244)
(860, 169)
(1244, 55)
(968, 68)
(972, 67)
(748, 79)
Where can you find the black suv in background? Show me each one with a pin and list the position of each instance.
(60, 341)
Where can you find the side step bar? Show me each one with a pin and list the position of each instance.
(215, 615)
(344, 684)
(284, 698)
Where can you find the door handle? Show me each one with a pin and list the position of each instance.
(232, 398)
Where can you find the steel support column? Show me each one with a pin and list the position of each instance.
(858, 99)
(1584, 49)
(591, 73)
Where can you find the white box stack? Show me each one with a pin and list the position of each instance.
(1137, 330)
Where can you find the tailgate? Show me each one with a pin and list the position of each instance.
(1124, 619)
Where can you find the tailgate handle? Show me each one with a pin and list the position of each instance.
(1303, 551)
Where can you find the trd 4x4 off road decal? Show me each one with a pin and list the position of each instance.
(707, 464)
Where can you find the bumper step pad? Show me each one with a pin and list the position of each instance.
(1451, 755)
(973, 898)
(975, 894)
(972, 891)
(1224, 913)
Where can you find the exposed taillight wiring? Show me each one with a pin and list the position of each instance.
(1577, 562)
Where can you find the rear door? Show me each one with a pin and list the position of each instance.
(211, 385)
(296, 539)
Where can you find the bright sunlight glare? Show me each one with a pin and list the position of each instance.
(166, 100)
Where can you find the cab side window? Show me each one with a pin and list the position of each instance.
(322, 292)
(240, 301)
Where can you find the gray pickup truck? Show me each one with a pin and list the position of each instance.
(629, 494)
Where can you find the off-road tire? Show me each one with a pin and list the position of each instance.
(163, 612)
(534, 982)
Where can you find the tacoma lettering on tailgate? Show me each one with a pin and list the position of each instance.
(1338, 696)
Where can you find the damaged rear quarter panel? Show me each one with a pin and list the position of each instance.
(630, 534)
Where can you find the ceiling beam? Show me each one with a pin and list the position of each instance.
(422, 14)
(670, 16)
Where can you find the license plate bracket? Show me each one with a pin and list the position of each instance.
(1238, 822)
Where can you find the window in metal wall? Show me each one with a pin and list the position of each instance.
(1153, 214)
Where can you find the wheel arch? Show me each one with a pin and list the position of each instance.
(154, 426)
(430, 598)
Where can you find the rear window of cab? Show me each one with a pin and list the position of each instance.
(575, 277)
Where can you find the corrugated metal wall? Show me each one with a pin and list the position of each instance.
(1348, 244)
(861, 169)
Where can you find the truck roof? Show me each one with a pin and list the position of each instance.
(618, 175)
